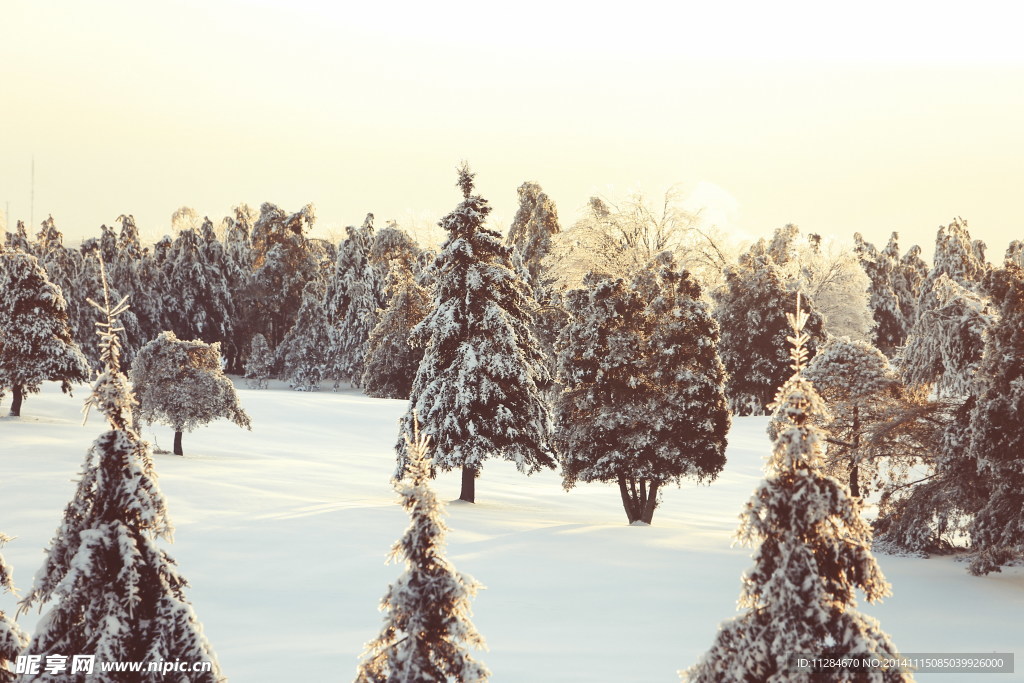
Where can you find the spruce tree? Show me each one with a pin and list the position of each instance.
(303, 353)
(750, 312)
(35, 338)
(427, 629)
(115, 593)
(12, 639)
(391, 360)
(535, 223)
(813, 554)
(476, 391)
(643, 403)
(181, 383)
(996, 434)
(260, 364)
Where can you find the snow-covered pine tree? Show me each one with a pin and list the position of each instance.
(12, 639)
(200, 307)
(116, 594)
(890, 324)
(260, 363)
(996, 434)
(238, 273)
(134, 274)
(391, 360)
(353, 302)
(859, 386)
(533, 226)
(182, 384)
(945, 344)
(1015, 253)
(643, 403)
(283, 263)
(427, 629)
(35, 339)
(302, 354)
(476, 391)
(750, 313)
(813, 554)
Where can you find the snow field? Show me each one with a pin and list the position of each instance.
(282, 533)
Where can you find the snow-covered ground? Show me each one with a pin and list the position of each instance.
(282, 532)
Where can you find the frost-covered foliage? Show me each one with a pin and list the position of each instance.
(181, 384)
(113, 592)
(427, 629)
(353, 301)
(477, 389)
(283, 261)
(944, 346)
(829, 273)
(303, 354)
(260, 364)
(194, 269)
(35, 339)
(750, 313)
(391, 360)
(621, 239)
(859, 386)
(535, 223)
(1015, 253)
(812, 556)
(895, 287)
(12, 638)
(643, 402)
(996, 434)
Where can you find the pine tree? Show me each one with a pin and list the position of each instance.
(304, 350)
(890, 324)
(476, 390)
(643, 402)
(996, 432)
(353, 302)
(181, 383)
(116, 594)
(391, 360)
(260, 364)
(535, 223)
(12, 639)
(750, 312)
(35, 339)
(858, 384)
(427, 629)
(813, 554)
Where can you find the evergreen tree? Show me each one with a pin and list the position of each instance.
(35, 339)
(391, 360)
(283, 262)
(996, 434)
(813, 555)
(750, 312)
(303, 353)
(944, 346)
(12, 639)
(643, 403)
(476, 390)
(859, 386)
(535, 223)
(353, 300)
(200, 308)
(238, 273)
(116, 594)
(260, 364)
(891, 324)
(182, 384)
(427, 629)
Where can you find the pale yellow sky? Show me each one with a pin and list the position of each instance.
(874, 117)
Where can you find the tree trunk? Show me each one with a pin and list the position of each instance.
(628, 501)
(469, 475)
(652, 502)
(177, 443)
(17, 394)
(854, 472)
